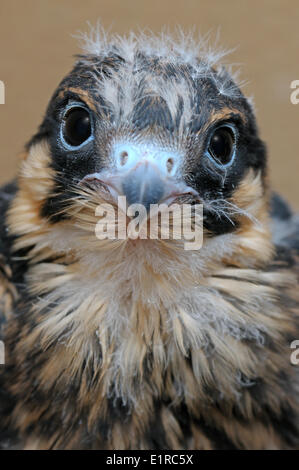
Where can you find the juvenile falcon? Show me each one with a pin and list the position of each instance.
(139, 343)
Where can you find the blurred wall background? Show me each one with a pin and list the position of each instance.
(36, 49)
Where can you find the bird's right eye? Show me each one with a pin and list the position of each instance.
(76, 126)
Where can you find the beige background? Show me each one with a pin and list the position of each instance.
(36, 48)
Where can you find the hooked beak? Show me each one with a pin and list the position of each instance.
(144, 175)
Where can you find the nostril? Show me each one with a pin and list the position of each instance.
(129, 155)
(169, 164)
(124, 157)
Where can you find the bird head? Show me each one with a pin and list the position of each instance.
(151, 120)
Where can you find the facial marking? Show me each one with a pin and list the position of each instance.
(85, 96)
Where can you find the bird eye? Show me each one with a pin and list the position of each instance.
(76, 127)
(222, 145)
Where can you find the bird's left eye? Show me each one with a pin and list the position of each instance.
(222, 145)
(76, 126)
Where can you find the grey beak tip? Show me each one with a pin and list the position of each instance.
(142, 192)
